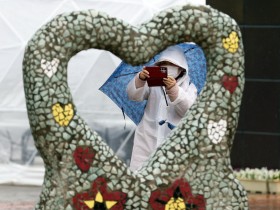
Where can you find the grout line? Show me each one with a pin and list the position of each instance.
(261, 80)
(260, 26)
(258, 133)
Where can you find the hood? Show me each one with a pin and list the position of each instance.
(175, 55)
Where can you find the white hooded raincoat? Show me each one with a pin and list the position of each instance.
(149, 133)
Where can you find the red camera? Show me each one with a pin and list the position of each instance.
(156, 74)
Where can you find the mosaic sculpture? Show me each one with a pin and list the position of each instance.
(191, 170)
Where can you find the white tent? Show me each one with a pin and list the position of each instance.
(88, 70)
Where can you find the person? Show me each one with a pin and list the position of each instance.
(166, 105)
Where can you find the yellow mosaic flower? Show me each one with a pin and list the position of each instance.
(231, 43)
(63, 115)
(99, 199)
(175, 204)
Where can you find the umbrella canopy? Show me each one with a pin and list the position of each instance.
(115, 86)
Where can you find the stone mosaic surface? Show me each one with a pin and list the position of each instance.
(191, 170)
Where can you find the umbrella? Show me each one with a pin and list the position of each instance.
(115, 86)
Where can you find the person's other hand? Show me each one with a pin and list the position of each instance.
(169, 82)
(144, 74)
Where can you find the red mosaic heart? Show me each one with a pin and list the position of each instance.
(230, 83)
(84, 157)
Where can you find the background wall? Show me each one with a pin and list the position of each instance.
(257, 141)
(20, 162)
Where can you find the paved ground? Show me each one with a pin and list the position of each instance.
(18, 197)
(25, 197)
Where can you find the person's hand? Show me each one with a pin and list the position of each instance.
(144, 74)
(169, 82)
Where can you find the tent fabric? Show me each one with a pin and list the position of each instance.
(115, 86)
(87, 71)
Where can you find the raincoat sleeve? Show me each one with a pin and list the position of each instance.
(137, 90)
(186, 98)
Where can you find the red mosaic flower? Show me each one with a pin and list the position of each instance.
(230, 83)
(84, 157)
(99, 198)
(178, 196)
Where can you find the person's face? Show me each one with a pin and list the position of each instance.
(172, 69)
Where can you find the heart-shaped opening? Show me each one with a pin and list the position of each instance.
(116, 122)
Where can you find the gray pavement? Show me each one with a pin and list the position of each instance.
(18, 197)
